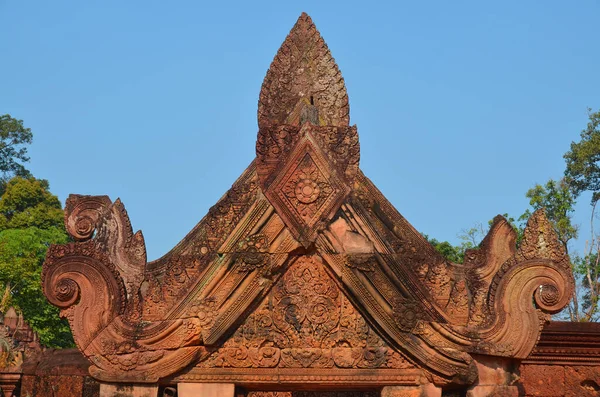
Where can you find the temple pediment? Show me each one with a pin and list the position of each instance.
(305, 321)
(303, 265)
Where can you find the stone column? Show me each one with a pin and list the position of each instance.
(428, 390)
(8, 383)
(128, 390)
(205, 390)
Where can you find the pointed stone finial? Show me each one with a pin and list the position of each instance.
(303, 71)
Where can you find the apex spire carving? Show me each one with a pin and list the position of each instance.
(307, 154)
(303, 73)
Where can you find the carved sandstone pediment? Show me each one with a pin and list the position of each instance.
(303, 265)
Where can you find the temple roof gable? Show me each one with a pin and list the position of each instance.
(306, 244)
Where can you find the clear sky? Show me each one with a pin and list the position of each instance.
(460, 106)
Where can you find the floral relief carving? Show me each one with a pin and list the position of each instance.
(303, 68)
(305, 322)
(407, 314)
(204, 310)
(253, 253)
(307, 189)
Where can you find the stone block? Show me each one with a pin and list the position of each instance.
(205, 390)
(128, 390)
(494, 391)
(51, 385)
(582, 381)
(428, 390)
(543, 380)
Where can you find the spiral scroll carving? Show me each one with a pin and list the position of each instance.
(66, 291)
(517, 329)
(547, 296)
(82, 214)
(74, 268)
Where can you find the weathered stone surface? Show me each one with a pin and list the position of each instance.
(495, 370)
(560, 381)
(494, 391)
(566, 361)
(91, 387)
(131, 390)
(59, 385)
(28, 383)
(401, 391)
(63, 372)
(57, 362)
(361, 393)
(428, 390)
(496, 377)
(303, 273)
(63, 386)
(206, 389)
(582, 381)
(543, 380)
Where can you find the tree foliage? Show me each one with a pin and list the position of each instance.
(27, 202)
(469, 239)
(557, 198)
(450, 252)
(583, 167)
(22, 253)
(582, 174)
(30, 220)
(14, 138)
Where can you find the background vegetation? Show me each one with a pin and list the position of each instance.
(558, 197)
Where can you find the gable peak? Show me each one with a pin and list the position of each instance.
(303, 70)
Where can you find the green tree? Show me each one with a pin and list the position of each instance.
(582, 174)
(27, 202)
(14, 138)
(469, 239)
(30, 220)
(448, 251)
(557, 198)
(583, 168)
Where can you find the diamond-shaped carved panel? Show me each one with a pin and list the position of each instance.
(307, 190)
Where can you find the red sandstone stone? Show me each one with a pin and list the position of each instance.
(543, 380)
(303, 273)
(582, 381)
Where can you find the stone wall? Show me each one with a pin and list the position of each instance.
(58, 373)
(559, 381)
(565, 362)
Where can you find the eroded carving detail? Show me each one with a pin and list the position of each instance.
(303, 69)
(306, 189)
(306, 322)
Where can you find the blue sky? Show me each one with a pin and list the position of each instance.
(460, 106)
